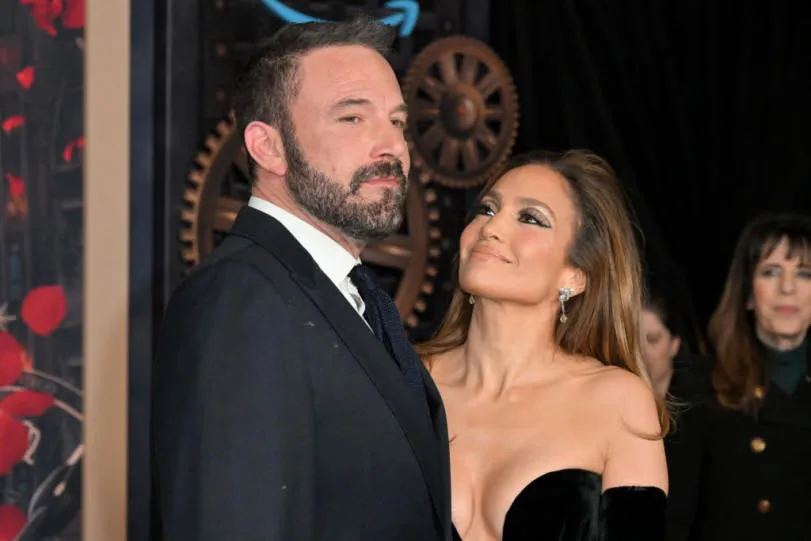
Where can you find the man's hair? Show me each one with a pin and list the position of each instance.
(271, 79)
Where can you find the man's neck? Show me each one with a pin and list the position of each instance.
(282, 199)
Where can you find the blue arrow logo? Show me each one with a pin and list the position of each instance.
(406, 18)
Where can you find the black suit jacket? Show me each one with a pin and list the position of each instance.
(277, 413)
(741, 477)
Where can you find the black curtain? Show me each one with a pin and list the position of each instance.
(702, 107)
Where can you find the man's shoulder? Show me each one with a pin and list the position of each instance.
(223, 295)
(239, 256)
(234, 252)
(238, 266)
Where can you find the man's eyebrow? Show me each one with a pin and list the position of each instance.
(351, 102)
(363, 102)
(402, 108)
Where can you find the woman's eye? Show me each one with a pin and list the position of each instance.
(485, 208)
(533, 220)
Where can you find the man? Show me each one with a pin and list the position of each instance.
(280, 413)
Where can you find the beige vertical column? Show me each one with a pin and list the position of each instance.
(106, 268)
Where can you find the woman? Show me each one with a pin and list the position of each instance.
(678, 375)
(675, 371)
(661, 343)
(751, 448)
(555, 431)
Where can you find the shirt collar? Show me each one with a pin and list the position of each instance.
(332, 258)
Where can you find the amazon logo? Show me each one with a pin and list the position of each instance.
(404, 18)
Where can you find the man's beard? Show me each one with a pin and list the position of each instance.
(342, 208)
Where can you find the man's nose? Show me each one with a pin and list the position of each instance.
(391, 142)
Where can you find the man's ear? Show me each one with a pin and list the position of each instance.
(264, 144)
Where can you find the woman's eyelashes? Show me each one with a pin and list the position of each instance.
(534, 219)
(484, 208)
(527, 216)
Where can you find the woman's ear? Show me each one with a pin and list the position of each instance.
(265, 145)
(577, 281)
(675, 344)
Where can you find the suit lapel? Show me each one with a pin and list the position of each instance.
(440, 424)
(361, 342)
(386, 376)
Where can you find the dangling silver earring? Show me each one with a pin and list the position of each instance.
(471, 299)
(564, 296)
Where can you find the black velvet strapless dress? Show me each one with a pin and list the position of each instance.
(569, 505)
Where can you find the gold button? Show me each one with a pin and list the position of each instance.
(758, 445)
(759, 392)
(764, 506)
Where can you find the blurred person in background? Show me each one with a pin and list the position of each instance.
(676, 375)
(748, 445)
(661, 342)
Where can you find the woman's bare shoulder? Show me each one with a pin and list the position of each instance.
(620, 395)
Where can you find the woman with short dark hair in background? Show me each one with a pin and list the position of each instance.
(750, 453)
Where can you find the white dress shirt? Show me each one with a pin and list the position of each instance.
(331, 257)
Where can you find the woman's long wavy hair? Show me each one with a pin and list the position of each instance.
(740, 369)
(603, 321)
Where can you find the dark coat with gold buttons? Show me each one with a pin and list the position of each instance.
(737, 476)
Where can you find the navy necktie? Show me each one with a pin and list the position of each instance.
(384, 319)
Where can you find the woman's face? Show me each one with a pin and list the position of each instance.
(515, 247)
(781, 298)
(659, 346)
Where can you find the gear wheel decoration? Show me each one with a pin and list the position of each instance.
(219, 187)
(463, 112)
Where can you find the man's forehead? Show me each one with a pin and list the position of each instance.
(333, 75)
(350, 58)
